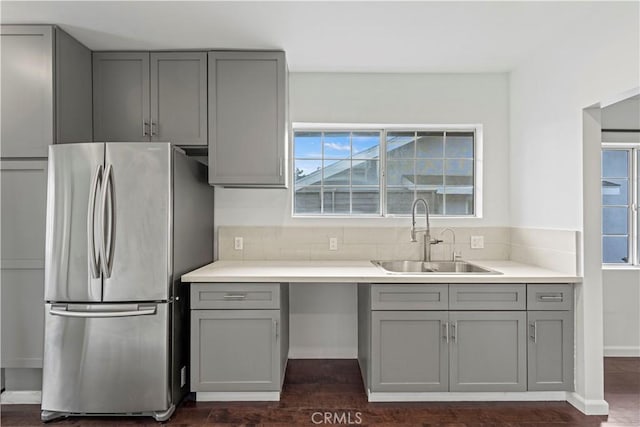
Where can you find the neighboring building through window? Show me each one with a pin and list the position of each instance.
(620, 194)
(380, 172)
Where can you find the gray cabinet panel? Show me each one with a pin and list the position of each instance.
(550, 297)
(73, 90)
(247, 118)
(235, 350)
(488, 351)
(413, 296)
(179, 97)
(235, 296)
(27, 90)
(409, 351)
(550, 350)
(23, 191)
(121, 96)
(487, 297)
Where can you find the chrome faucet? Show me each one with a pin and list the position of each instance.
(455, 256)
(426, 253)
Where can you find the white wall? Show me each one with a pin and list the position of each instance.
(621, 312)
(547, 96)
(389, 99)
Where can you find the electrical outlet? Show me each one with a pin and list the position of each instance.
(477, 242)
(333, 243)
(238, 243)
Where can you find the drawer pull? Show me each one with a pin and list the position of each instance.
(550, 297)
(235, 296)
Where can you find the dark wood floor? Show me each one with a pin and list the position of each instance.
(335, 387)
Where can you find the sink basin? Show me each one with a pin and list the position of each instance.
(433, 267)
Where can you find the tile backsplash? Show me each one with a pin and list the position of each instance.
(356, 243)
(553, 249)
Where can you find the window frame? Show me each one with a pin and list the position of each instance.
(477, 130)
(633, 216)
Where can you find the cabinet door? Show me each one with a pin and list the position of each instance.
(409, 351)
(235, 350)
(179, 97)
(550, 350)
(24, 193)
(488, 351)
(247, 123)
(27, 90)
(121, 96)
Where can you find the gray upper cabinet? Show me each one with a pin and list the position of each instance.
(179, 97)
(121, 96)
(58, 97)
(158, 96)
(248, 119)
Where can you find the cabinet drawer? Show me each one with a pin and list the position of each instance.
(235, 295)
(550, 297)
(487, 297)
(409, 297)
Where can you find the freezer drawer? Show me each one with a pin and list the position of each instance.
(106, 358)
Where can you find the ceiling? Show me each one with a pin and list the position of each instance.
(360, 36)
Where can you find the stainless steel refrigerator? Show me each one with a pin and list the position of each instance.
(124, 221)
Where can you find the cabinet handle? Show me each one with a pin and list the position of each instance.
(145, 128)
(280, 166)
(235, 296)
(550, 297)
(151, 127)
(275, 329)
(454, 326)
(445, 331)
(533, 331)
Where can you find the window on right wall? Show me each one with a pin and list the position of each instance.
(620, 187)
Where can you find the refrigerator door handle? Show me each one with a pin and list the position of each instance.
(106, 252)
(63, 312)
(94, 258)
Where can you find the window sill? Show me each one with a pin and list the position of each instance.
(620, 267)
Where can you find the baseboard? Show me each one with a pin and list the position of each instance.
(319, 353)
(621, 351)
(513, 396)
(22, 397)
(588, 407)
(239, 396)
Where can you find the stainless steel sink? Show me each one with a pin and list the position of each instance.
(433, 267)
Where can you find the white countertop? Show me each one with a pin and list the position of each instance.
(365, 272)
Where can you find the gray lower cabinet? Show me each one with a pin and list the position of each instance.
(239, 336)
(248, 119)
(465, 338)
(409, 351)
(550, 350)
(235, 350)
(488, 351)
(46, 90)
(24, 192)
(157, 96)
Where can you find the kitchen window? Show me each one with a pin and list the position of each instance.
(620, 195)
(358, 172)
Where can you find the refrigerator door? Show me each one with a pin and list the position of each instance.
(106, 358)
(72, 264)
(136, 203)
